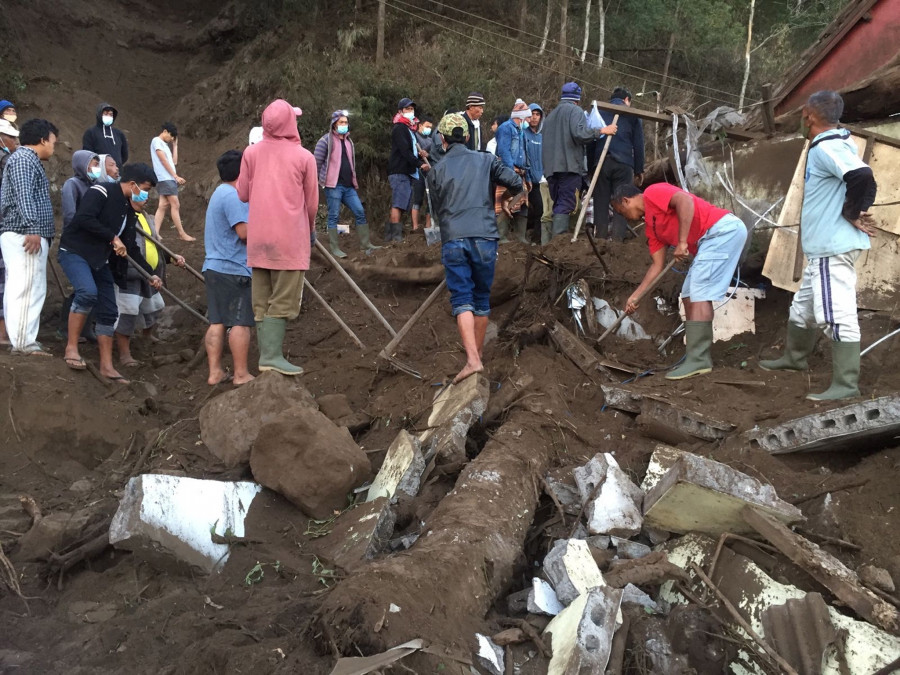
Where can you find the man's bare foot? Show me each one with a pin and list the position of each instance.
(184, 236)
(218, 377)
(128, 361)
(114, 375)
(243, 379)
(469, 370)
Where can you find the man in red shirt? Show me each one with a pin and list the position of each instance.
(714, 236)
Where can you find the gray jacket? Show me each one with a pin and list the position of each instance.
(74, 188)
(462, 192)
(565, 133)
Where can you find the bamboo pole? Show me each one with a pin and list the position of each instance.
(166, 249)
(166, 291)
(333, 314)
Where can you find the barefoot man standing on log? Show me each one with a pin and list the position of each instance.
(462, 194)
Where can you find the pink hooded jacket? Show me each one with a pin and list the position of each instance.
(278, 179)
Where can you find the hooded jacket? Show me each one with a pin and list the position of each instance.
(324, 147)
(279, 180)
(627, 146)
(566, 132)
(74, 188)
(534, 148)
(101, 139)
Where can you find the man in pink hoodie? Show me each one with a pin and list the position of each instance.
(278, 180)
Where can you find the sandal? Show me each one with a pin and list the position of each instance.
(118, 379)
(75, 363)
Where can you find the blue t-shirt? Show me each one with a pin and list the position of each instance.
(824, 231)
(225, 252)
(415, 174)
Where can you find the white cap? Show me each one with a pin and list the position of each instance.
(7, 128)
(256, 135)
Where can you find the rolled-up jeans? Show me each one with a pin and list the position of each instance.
(469, 268)
(94, 290)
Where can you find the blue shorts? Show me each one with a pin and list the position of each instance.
(718, 254)
(469, 267)
(401, 191)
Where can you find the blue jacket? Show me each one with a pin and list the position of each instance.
(627, 146)
(511, 145)
(533, 148)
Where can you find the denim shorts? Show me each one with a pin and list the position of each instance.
(401, 191)
(469, 267)
(718, 254)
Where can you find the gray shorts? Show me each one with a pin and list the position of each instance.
(167, 188)
(401, 191)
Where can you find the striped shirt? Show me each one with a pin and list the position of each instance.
(25, 196)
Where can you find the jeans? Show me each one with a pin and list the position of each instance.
(469, 267)
(343, 195)
(94, 290)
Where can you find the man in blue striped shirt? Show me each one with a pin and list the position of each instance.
(26, 232)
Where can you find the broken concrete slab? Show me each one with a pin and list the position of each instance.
(664, 414)
(587, 359)
(627, 549)
(542, 599)
(230, 423)
(489, 655)
(169, 519)
(632, 595)
(621, 398)
(583, 632)
(560, 484)
(304, 456)
(752, 591)
(735, 317)
(615, 501)
(402, 469)
(453, 413)
(864, 424)
(826, 569)
(363, 532)
(662, 459)
(571, 569)
(701, 495)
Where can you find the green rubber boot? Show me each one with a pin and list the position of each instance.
(503, 227)
(546, 234)
(365, 243)
(522, 229)
(845, 373)
(798, 345)
(697, 361)
(560, 224)
(333, 237)
(270, 335)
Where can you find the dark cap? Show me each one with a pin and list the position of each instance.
(405, 103)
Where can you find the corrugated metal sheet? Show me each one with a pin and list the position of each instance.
(800, 630)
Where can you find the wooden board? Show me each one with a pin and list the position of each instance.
(878, 286)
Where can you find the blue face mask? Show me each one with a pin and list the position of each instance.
(93, 174)
(142, 196)
(343, 128)
(110, 179)
(426, 131)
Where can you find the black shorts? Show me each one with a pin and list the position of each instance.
(229, 300)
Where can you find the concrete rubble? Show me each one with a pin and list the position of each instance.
(696, 494)
(571, 569)
(867, 423)
(401, 470)
(169, 519)
(363, 532)
(613, 500)
(489, 655)
(542, 599)
(582, 633)
(621, 398)
(676, 424)
(454, 411)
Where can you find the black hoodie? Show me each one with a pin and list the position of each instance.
(104, 140)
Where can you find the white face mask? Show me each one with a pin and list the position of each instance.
(409, 115)
(108, 120)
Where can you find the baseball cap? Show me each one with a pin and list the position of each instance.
(8, 129)
(405, 103)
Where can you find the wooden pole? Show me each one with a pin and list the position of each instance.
(587, 198)
(652, 286)
(355, 287)
(170, 294)
(429, 301)
(332, 313)
(768, 109)
(166, 249)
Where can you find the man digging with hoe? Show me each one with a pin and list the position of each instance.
(462, 193)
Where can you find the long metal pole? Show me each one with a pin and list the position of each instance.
(166, 249)
(169, 293)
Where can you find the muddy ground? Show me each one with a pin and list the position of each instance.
(70, 444)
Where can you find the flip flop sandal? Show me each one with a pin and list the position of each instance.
(228, 377)
(118, 379)
(75, 363)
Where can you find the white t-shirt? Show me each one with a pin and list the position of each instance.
(159, 144)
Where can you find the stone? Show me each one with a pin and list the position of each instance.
(168, 520)
(542, 599)
(517, 603)
(682, 421)
(867, 424)
(560, 483)
(489, 655)
(701, 495)
(453, 413)
(401, 470)
(14, 522)
(571, 569)
(599, 541)
(363, 532)
(230, 423)
(334, 406)
(878, 577)
(823, 516)
(304, 456)
(632, 595)
(616, 507)
(662, 459)
(510, 636)
(583, 632)
(52, 534)
(625, 548)
(621, 398)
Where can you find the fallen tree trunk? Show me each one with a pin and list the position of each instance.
(445, 584)
(410, 275)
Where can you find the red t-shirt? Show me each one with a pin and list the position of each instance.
(662, 221)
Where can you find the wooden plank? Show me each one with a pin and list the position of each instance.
(768, 109)
(826, 569)
(651, 116)
(587, 360)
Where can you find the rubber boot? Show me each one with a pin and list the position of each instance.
(697, 361)
(546, 234)
(560, 224)
(503, 227)
(798, 345)
(522, 229)
(845, 373)
(270, 335)
(333, 237)
(365, 244)
(388, 232)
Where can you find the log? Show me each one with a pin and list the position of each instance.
(410, 275)
(448, 580)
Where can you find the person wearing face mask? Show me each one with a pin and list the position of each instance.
(102, 138)
(26, 232)
(511, 152)
(404, 166)
(835, 228)
(109, 170)
(8, 111)
(336, 163)
(92, 253)
(9, 141)
(425, 143)
(164, 153)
